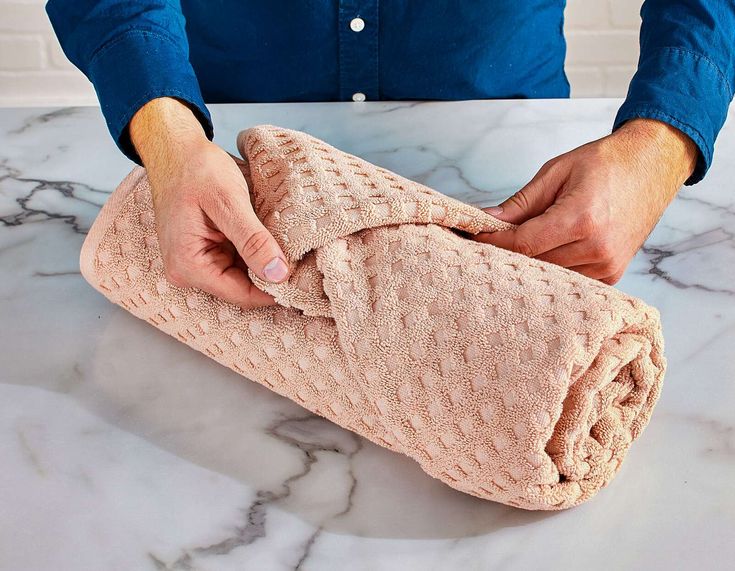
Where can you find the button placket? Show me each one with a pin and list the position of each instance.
(357, 25)
(358, 50)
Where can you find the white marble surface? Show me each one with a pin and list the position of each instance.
(121, 448)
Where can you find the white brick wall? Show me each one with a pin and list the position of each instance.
(602, 36)
(33, 70)
(602, 46)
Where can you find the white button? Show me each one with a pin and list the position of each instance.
(357, 24)
(359, 96)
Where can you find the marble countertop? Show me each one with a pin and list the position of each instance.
(121, 448)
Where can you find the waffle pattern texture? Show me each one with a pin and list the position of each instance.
(505, 377)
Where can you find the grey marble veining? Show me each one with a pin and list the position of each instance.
(121, 448)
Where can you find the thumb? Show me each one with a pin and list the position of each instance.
(255, 244)
(533, 199)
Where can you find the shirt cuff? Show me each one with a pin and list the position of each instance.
(136, 67)
(684, 89)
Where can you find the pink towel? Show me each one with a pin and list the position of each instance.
(505, 377)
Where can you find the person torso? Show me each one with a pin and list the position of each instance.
(331, 50)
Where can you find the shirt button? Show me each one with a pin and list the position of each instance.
(359, 96)
(357, 24)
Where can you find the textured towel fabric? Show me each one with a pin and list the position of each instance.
(505, 377)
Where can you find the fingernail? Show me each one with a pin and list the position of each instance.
(494, 210)
(275, 270)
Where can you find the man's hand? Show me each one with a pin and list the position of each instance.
(591, 209)
(207, 230)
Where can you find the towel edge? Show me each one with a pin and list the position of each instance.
(101, 224)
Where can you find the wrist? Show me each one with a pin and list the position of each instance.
(163, 129)
(662, 143)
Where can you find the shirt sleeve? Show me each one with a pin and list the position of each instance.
(132, 52)
(686, 71)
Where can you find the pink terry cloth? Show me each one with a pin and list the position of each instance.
(505, 377)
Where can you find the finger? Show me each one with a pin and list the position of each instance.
(534, 198)
(241, 164)
(597, 271)
(233, 285)
(502, 238)
(234, 216)
(238, 160)
(573, 254)
(550, 230)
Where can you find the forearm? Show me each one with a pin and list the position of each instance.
(133, 52)
(686, 71)
(657, 146)
(162, 129)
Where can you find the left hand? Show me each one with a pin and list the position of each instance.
(591, 209)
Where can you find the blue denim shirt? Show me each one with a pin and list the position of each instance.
(280, 50)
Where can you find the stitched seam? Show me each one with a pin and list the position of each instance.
(124, 36)
(699, 56)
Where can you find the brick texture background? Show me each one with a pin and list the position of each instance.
(602, 40)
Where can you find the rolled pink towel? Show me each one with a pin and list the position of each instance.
(505, 377)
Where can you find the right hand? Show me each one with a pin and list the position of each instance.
(207, 230)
